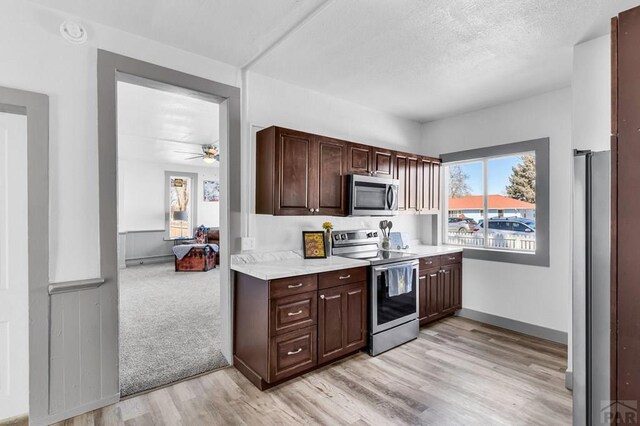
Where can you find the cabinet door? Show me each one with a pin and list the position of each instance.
(456, 279)
(355, 300)
(412, 184)
(381, 162)
(432, 294)
(434, 203)
(297, 174)
(400, 173)
(359, 159)
(446, 278)
(342, 320)
(330, 324)
(332, 184)
(424, 185)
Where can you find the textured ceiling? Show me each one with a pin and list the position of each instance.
(230, 31)
(154, 124)
(417, 59)
(429, 59)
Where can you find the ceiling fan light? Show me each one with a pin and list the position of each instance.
(208, 160)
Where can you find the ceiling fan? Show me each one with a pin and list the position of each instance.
(210, 153)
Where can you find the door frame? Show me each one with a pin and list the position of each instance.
(112, 68)
(36, 107)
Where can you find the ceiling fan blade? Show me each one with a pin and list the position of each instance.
(193, 158)
(187, 152)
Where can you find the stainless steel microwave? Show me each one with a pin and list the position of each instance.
(372, 196)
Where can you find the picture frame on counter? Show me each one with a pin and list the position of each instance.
(313, 245)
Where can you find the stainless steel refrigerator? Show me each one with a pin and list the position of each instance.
(591, 286)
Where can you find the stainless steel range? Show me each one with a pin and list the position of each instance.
(393, 319)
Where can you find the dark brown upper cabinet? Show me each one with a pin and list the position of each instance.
(359, 159)
(300, 173)
(381, 162)
(428, 185)
(332, 182)
(406, 171)
(369, 160)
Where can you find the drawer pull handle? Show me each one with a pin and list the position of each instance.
(345, 277)
(294, 352)
(294, 285)
(452, 258)
(293, 314)
(433, 275)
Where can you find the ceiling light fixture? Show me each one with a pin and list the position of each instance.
(73, 32)
(208, 160)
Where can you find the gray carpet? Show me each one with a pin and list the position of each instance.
(169, 325)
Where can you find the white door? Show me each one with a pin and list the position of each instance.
(14, 295)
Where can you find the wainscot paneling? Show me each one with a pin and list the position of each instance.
(145, 247)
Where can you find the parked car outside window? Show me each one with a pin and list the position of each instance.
(463, 225)
(507, 226)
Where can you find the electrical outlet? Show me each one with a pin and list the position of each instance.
(248, 243)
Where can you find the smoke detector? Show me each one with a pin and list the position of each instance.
(73, 32)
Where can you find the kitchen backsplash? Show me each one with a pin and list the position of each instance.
(285, 232)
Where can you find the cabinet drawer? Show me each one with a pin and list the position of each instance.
(293, 285)
(429, 262)
(341, 277)
(293, 312)
(292, 353)
(450, 259)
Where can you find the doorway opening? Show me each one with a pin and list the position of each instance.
(169, 180)
(14, 268)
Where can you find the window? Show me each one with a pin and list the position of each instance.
(180, 214)
(497, 202)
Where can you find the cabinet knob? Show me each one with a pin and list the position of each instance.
(317, 210)
(322, 296)
(311, 210)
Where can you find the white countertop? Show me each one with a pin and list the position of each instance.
(281, 264)
(274, 265)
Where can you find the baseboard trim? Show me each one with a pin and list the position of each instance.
(58, 417)
(160, 258)
(514, 325)
(568, 379)
(22, 420)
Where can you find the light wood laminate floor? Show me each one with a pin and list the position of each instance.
(457, 372)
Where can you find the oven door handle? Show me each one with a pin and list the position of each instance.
(386, 268)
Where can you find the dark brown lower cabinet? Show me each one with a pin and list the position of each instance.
(342, 320)
(440, 287)
(289, 326)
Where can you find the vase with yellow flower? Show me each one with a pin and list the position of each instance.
(328, 227)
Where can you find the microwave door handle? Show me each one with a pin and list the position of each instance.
(392, 194)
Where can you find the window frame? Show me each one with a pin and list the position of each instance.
(192, 199)
(541, 149)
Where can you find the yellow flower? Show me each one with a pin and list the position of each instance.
(327, 226)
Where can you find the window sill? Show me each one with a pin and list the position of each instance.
(507, 256)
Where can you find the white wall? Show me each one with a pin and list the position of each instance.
(36, 58)
(272, 102)
(141, 195)
(591, 94)
(535, 295)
